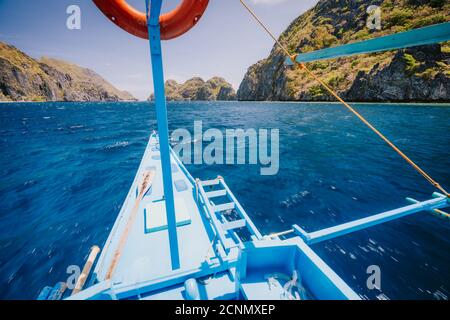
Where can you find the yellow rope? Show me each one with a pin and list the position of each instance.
(356, 113)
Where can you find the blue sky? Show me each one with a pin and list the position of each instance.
(224, 43)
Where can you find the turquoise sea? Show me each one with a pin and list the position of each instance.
(65, 169)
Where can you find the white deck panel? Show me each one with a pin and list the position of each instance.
(146, 256)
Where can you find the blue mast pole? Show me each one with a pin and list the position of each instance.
(154, 32)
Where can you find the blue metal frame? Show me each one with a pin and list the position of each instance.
(154, 32)
(360, 224)
(421, 36)
(241, 210)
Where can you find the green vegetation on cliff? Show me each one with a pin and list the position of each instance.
(420, 73)
(23, 78)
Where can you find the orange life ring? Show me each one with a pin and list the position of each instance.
(173, 24)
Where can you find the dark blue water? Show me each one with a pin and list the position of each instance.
(66, 168)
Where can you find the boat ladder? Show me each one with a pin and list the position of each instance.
(229, 219)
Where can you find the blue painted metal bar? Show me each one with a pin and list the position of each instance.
(154, 31)
(57, 291)
(436, 212)
(124, 291)
(421, 36)
(437, 195)
(43, 295)
(349, 227)
(217, 225)
(241, 210)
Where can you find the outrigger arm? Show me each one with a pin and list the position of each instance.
(154, 32)
(417, 37)
(440, 201)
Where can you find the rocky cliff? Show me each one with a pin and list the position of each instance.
(196, 89)
(416, 74)
(23, 78)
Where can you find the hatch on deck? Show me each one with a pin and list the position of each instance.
(155, 217)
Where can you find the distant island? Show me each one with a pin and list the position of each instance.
(196, 89)
(415, 74)
(23, 78)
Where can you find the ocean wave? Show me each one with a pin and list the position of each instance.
(53, 179)
(294, 199)
(117, 145)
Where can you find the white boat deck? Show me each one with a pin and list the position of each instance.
(145, 255)
(135, 262)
